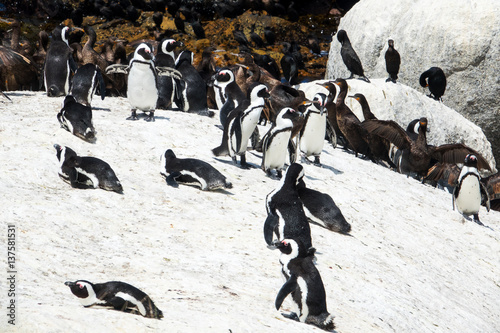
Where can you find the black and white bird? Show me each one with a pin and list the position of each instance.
(312, 134)
(169, 87)
(276, 141)
(118, 295)
(228, 94)
(241, 124)
(304, 283)
(470, 191)
(86, 82)
(76, 118)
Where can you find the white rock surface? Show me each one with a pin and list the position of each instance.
(461, 37)
(398, 102)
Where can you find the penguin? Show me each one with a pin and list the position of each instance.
(312, 134)
(392, 62)
(321, 209)
(276, 140)
(289, 65)
(59, 63)
(228, 94)
(119, 295)
(85, 172)
(435, 79)
(168, 86)
(305, 285)
(349, 56)
(468, 193)
(86, 81)
(194, 90)
(241, 124)
(191, 171)
(285, 213)
(76, 118)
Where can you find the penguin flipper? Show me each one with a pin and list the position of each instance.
(269, 225)
(292, 151)
(180, 85)
(117, 69)
(170, 179)
(72, 64)
(289, 286)
(485, 197)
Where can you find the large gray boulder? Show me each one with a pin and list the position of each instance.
(398, 102)
(461, 37)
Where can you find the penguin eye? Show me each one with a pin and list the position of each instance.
(285, 243)
(80, 285)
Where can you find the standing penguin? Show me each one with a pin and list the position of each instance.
(58, 63)
(468, 193)
(241, 123)
(119, 295)
(392, 62)
(349, 56)
(435, 79)
(87, 80)
(194, 90)
(305, 285)
(312, 134)
(285, 214)
(168, 86)
(228, 94)
(86, 172)
(191, 171)
(275, 142)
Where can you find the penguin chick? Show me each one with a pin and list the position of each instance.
(119, 295)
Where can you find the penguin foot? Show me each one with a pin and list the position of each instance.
(291, 315)
(364, 78)
(476, 219)
(150, 118)
(133, 116)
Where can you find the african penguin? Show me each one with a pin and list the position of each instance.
(59, 63)
(191, 171)
(320, 208)
(275, 142)
(285, 213)
(76, 118)
(228, 94)
(168, 86)
(85, 172)
(86, 81)
(119, 295)
(194, 89)
(142, 92)
(305, 284)
(467, 195)
(312, 134)
(241, 124)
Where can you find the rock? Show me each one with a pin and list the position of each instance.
(461, 38)
(398, 102)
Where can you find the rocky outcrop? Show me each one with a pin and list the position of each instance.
(398, 102)
(463, 38)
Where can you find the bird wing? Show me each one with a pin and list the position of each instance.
(389, 130)
(455, 153)
(289, 286)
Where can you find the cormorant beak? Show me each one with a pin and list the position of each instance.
(244, 66)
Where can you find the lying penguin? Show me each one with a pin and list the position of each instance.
(86, 172)
(76, 118)
(192, 172)
(119, 295)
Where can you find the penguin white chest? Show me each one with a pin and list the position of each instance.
(141, 92)
(313, 136)
(275, 157)
(248, 124)
(468, 200)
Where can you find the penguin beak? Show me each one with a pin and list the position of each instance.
(69, 283)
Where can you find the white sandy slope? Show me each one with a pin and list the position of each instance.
(412, 263)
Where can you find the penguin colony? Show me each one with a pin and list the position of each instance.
(246, 95)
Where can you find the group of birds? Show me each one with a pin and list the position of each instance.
(246, 95)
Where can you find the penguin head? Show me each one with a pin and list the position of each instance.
(286, 117)
(184, 56)
(224, 76)
(81, 288)
(165, 161)
(144, 52)
(294, 174)
(168, 45)
(64, 153)
(470, 160)
(257, 90)
(319, 101)
(294, 248)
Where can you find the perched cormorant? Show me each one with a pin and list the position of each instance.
(269, 35)
(349, 56)
(435, 79)
(392, 62)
